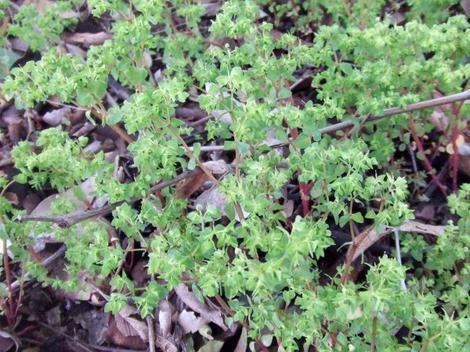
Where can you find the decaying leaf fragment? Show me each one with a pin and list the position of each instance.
(192, 302)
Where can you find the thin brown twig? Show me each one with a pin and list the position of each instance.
(69, 220)
(119, 131)
(74, 218)
(151, 334)
(68, 337)
(46, 262)
(459, 97)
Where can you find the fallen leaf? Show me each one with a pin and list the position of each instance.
(242, 342)
(212, 7)
(87, 39)
(438, 118)
(190, 184)
(165, 315)
(129, 326)
(95, 322)
(206, 332)
(212, 346)
(7, 59)
(213, 196)
(417, 227)
(464, 164)
(223, 116)
(459, 141)
(116, 337)
(85, 189)
(189, 322)
(7, 341)
(217, 167)
(192, 302)
(165, 344)
(56, 117)
(466, 6)
(367, 238)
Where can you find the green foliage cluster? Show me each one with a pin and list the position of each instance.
(268, 271)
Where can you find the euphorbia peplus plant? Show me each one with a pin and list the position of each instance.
(267, 265)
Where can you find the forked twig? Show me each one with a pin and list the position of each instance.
(69, 220)
(74, 218)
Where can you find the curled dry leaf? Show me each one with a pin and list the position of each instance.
(189, 322)
(217, 167)
(186, 187)
(417, 227)
(459, 141)
(367, 238)
(7, 341)
(213, 196)
(212, 346)
(192, 302)
(115, 337)
(242, 343)
(87, 39)
(56, 117)
(222, 116)
(129, 326)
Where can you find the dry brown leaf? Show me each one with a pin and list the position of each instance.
(367, 238)
(438, 117)
(56, 117)
(212, 346)
(459, 141)
(242, 344)
(213, 196)
(115, 337)
(190, 184)
(129, 326)
(466, 6)
(464, 164)
(417, 227)
(165, 315)
(7, 341)
(192, 302)
(212, 7)
(86, 39)
(217, 167)
(189, 322)
(86, 189)
(165, 344)
(223, 116)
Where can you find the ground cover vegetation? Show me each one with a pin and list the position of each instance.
(235, 175)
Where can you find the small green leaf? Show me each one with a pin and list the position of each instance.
(357, 217)
(316, 190)
(284, 93)
(192, 164)
(302, 141)
(196, 150)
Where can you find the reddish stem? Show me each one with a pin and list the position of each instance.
(454, 159)
(261, 345)
(426, 162)
(304, 188)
